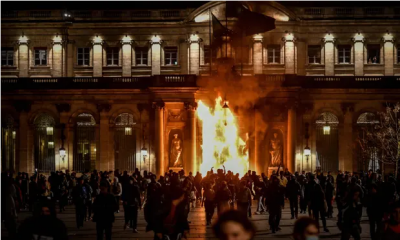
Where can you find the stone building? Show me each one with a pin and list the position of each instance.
(109, 89)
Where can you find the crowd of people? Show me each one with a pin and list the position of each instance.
(168, 200)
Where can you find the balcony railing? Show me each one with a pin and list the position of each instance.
(182, 81)
(99, 82)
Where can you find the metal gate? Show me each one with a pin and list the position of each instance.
(44, 153)
(8, 147)
(125, 143)
(85, 143)
(366, 153)
(327, 142)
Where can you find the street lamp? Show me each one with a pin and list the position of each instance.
(62, 153)
(307, 151)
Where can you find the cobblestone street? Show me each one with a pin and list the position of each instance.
(198, 229)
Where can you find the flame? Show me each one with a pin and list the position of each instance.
(222, 144)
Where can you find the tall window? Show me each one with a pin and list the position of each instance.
(7, 56)
(242, 54)
(344, 53)
(274, 53)
(171, 55)
(398, 54)
(83, 56)
(112, 56)
(141, 55)
(40, 56)
(314, 54)
(374, 51)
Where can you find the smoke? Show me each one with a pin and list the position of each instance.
(243, 95)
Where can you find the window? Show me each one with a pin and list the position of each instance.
(112, 56)
(40, 56)
(207, 51)
(373, 51)
(398, 54)
(274, 53)
(314, 54)
(171, 54)
(7, 56)
(141, 55)
(83, 56)
(344, 53)
(242, 54)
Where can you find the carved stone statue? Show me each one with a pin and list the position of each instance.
(275, 147)
(175, 152)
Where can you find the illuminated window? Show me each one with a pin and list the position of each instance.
(274, 53)
(40, 56)
(7, 56)
(141, 55)
(171, 55)
(314, 54)
(373, 51)
(83, 56)
(344, 52)
(112, 56)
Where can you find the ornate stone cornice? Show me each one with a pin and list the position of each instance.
(103, 107)
(63, 107)
(306, 107)
(22, 106)
(292, 104)
(190, 106)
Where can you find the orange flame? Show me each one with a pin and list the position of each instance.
(222, 144)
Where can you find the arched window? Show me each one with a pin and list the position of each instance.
(8, 143)
(125, 142)
(85, 143)
(327, 142)
(367, 154)
(44, 152)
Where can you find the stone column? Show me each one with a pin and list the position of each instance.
(159, 137)
(194, 55)
(358, 55)
(69, 146)
(57, 58)
(329, 55)
(291, 139)
(258, 167)
(23, 59)
(257, 54)
(155, 56)
(103, 109)
(126, 59)
(346, 139)
(388, 53)
(23, 142)
(192, 166)
(97, 59)
(290, 60)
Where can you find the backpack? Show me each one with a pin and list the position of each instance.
(117, 190)
(243, 195)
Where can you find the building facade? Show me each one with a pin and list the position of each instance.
(109, 89)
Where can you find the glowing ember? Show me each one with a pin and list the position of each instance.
(222, 144)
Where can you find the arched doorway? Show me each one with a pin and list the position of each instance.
(125, 142)
(8, 143)
(327, 142)
(44, 152)
(367, 154)
(85, 143)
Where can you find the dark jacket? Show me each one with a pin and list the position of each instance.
(293, 189)
(44, 226)
(132, 195)
(275, 195)
(104, 207)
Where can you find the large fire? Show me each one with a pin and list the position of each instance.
(222, 145)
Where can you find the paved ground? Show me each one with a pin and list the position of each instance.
(198, 229)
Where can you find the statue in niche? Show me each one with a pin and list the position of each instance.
(275, 146)
(175, 152)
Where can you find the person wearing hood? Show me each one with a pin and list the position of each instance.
(116, 189)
